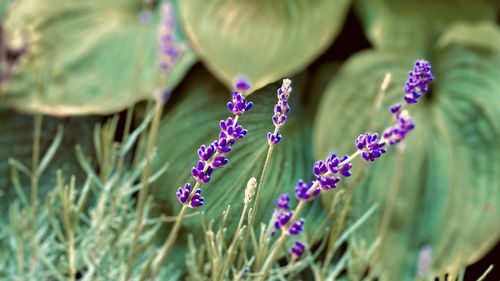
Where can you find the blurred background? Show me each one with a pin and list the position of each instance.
(82, 63)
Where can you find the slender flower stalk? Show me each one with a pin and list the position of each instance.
(211, 157)
(369, 146)
(281, 110)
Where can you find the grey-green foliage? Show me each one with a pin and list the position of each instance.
(99, 56)
(263, 40)
(16, 151)
(438, 189)
(83, 226)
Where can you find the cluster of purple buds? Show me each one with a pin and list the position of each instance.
(239, 104)
(281, 110)
(325, 171)
(284, 214)
(183, 195)
(417, 84)
(212, 156)
(370, 146)
(418, 81)
(297, 250)
(168, 47)
(396, 133)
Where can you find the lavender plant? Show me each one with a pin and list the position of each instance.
(327, 172)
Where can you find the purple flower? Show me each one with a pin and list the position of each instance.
(370, 146)
(337, 165)
(283, 202)
(281, 110)
(302, 190)
(296, 227)
(219, 161)
(231, 130)
(202, 172)
(206, 152)
(239, 104)
(326, 181)
(297, 250)
(395, 108)
(197, 200)
(223, 145)
(183, 193)
(168, 47)
(283, 218)
(273, 138)
(396, 133)
(418, 81)
(241, 84)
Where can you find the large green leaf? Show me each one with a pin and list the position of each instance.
(99, 56)
(414, 25)
(439, 188)
(263, 40)
(16, 143)
(194, 121)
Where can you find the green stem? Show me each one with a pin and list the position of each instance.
(230, 251)
(37, 130)
(260, 186)
(143, 193)
(172, 236)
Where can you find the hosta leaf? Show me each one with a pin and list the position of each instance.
(194, 121)
(98, 56)
(439, 187)
(414, 25)
(16, 142)
(265, 39)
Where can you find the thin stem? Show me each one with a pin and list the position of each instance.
(172, 236)
(37, 129)
(260, 186)
(230, 251)
(143, 192)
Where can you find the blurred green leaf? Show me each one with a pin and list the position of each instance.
(439, 188)
(97, 56)
(414, 25)
(16, 148)
(194, 121)
(262, 40)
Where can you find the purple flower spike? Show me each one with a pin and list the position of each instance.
(239, 104)
(418, 81)
(168, 47)
(296, 227)
(183, 193)
(197, 200)
(273, 138)
(281, 110)
(369, 146)
(297, 250)
(302, 191)
(283, 202)
(201, 172)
